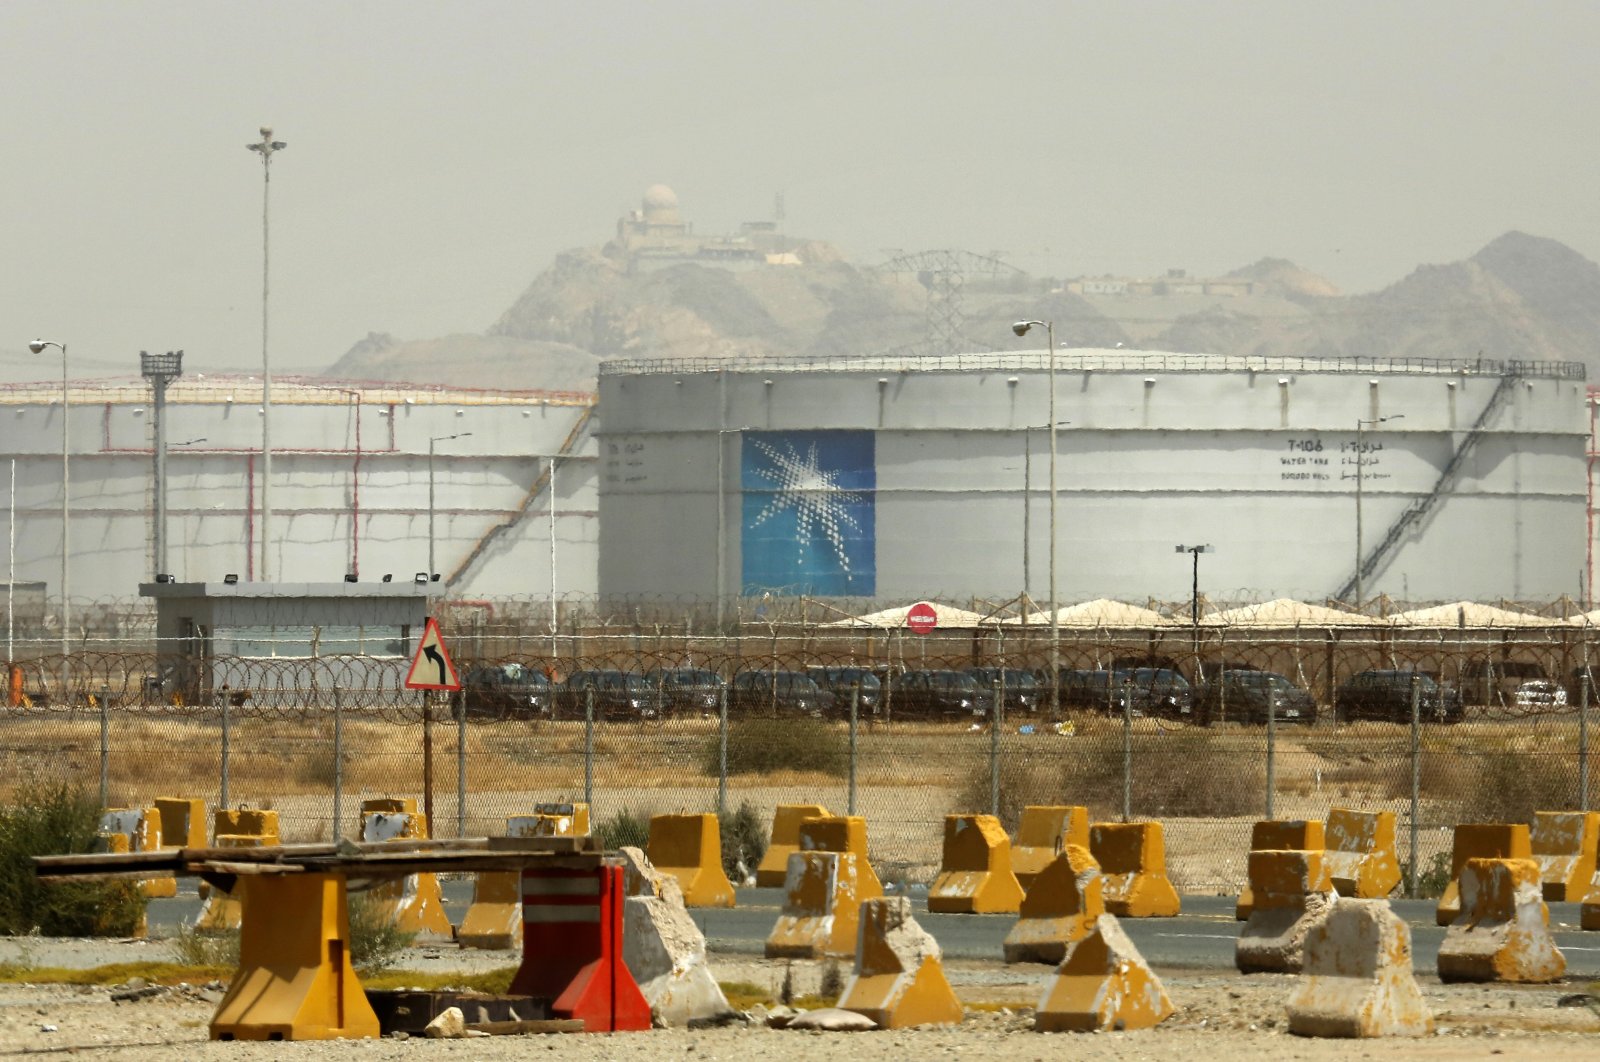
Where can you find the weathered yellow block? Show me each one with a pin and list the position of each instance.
(842, 833)
(414, 902)
(246, 822)
(899, 977)
(141, 828)
(220, 910)
(689, 847)
(1290, 896)
(1103, 983)
(1564, 845)
(493, 922)
(1479, 840)
(1280, 835)
(1133, 861)
(1044, 833)
(295, 981)
(1360, 853)
(1503, 933)
(823, 893)
(183, 822)
(1356, 980)
(786, 819)
(1062, 906)
(975, 875)
(566, 819)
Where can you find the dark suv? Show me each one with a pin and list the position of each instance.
(1021, 689)
(1243, 696)
(840, 680)
(935, 693)
(1386, 695)
(513, 690)
(779, 693)
(1160, 691)
(1097, 690)
(687, 689)
(617, 695)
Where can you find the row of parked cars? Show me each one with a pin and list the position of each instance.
(1236, 695)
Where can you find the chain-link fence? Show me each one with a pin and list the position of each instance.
(1205, 730)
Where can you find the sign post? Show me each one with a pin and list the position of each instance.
(431, 669)
(922, 618)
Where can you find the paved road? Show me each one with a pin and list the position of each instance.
(1201, 938)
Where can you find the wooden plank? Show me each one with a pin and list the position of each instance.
(521, 1028)
(244, 869)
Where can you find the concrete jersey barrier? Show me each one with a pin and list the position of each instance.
(975, 872)
(1043, 834)
(773, 870)
(689, 847)
(1281, 835)
(1360, 859)
(1564, 845)
(1479, 840)
(1133, 865)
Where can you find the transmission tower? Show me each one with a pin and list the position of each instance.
(943, 274)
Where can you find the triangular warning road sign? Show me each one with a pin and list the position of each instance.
(431, 668)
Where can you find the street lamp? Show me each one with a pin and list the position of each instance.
(1021, 328)
(435, 439)
(160, 370)
(1194, 601)
(39, 346)
(1361, 461)
(266, 148)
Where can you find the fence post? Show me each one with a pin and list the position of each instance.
(427, 761)
(855, 712)
(994, 748)
(461, 768)
(1127, 752)
(1272, 749)
(1416, 775)
(722, 752)
(588, 747)
(226, 736)
(105, 747)
(338, 761)
(1583, 740)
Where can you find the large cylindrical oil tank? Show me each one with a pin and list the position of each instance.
(900, 478)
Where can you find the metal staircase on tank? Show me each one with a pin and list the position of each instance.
(1418, 510)
(540, 484)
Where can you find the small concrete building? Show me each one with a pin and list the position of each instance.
(288, 644)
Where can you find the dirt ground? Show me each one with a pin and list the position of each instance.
(1219, 1016)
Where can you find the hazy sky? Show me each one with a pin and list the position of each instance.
(439, 154)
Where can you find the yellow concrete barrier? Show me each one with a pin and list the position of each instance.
(689, 847)
(1133, 862)
(414, 902)
(1356, 980)
(1290, 897)
(1360, 853)
(1479, 840)
(183, 822)
(1044, 833)
(843, 833)
(975, 874)
(773, 871)
(1503, 933)
(823, 893)
(1589, 912)
(1102, 984)
(899, 978)
(233, 828)
(1060, 908)
(1564, 845)
(140, 831)
(1281, 835)
(493, 922)
(295, 981)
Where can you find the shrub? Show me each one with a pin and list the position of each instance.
(744, 842)
(197, 947)
(1433, 879)
(625, 828)
(375, 940)
(58, 820)
(767, 746)
(1505, 784)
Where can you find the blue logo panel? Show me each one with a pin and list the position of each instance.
(808, 516)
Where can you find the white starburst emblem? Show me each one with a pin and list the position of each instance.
(820, 505)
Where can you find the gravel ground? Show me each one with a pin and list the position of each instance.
(1222, 1016)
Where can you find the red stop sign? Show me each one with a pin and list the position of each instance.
(921, 618)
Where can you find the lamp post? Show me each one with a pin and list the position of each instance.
(1361, 461)
(1021, 328)
(160, 370)
(435, 439)
(1194, 601)
(39, 346)
(266, 147)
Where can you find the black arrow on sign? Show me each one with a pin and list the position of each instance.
(432, 653)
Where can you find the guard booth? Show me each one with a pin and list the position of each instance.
(269, 643)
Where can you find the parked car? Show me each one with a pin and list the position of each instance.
(1539, 693)
(1160, 691)
(617, 695)
(696, 690)
(1020, 687)
(1243, 697)
(1495, 682)
(1386, 695)
(779, 693)
(940, 693)
(1097, 690)
(839, 681)
(503, 690)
